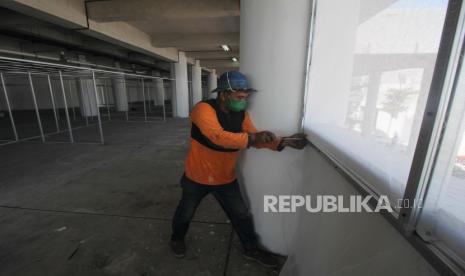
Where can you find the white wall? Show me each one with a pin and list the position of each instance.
(273, 46)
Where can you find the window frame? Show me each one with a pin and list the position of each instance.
(449, 59)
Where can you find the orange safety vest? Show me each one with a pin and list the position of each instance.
(216, 139)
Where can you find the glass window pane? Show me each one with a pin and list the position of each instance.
(442, 219)
(372, 65)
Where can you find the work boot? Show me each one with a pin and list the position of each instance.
(179, 248)
(263, 257)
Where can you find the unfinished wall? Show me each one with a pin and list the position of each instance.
(273, 46)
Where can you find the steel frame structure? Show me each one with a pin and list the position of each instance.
(67, 73)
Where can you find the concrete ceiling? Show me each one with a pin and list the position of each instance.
(24, 35)
(197, 27)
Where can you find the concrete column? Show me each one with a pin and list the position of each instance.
(120, 91)
(196, 83)
(121, 94)
(273, 50)
(160, 91)
(172, 94)
(212, 83)
(87, 100)
(182, 91)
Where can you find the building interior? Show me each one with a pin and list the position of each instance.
(95, 100)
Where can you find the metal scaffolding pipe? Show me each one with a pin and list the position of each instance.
(13, 125)
(70, 129)
(143, 97)
(102, 95)
(36, 107)
(72, 100)
(163, 99)
(127, 97)
(105, 93)
(63, 66)
(102, 140)
(82, 103)
(53, 103)
(149, 98)
(50, 71)
(88, 109)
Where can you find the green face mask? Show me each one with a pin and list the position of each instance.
(236, 105)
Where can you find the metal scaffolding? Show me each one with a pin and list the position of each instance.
(83, 96)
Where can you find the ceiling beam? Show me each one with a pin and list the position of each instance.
(219, 63)
(195, 40)
(71, 14)
(190, 60)
(212, 54)
(137, 10)
(129, 37)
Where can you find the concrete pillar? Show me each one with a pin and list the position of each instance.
(189, 86)
(273, 43)
(212, 83)
(120, 91)
(196, 83)
(121, 94)
(87, 100)
(172, 94)
(158, 90)
(182, 91)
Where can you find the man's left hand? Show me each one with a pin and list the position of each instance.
(296, 141)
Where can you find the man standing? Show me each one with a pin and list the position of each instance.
(220, 129)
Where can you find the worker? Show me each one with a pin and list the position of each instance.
(220, 129)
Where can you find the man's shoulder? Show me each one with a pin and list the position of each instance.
(202, 108)
(203, 105)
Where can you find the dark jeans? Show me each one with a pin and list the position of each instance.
(230, 199)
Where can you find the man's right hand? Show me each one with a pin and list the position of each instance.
(261, 137)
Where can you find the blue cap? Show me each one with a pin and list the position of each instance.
(233, 81)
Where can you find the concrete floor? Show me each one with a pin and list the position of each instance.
(84, 209)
